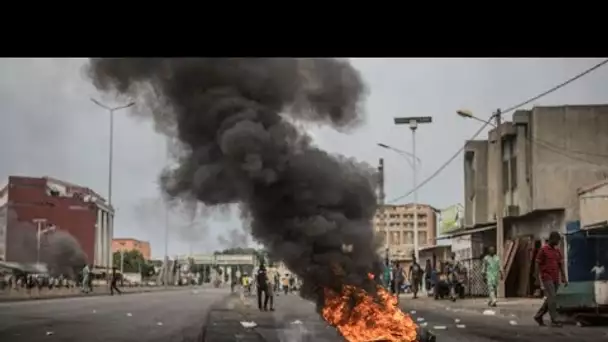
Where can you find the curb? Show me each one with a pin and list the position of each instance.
(81, 295)
(498, 311)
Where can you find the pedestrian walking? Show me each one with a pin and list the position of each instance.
(263, 289)
(550, 271)
(428, 274)
(492, 273)
(113, 281)
(269, 300)
(415, 275)
(86, 274)
(286, 284)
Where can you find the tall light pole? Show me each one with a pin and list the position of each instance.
(413, 122)
(411, 159)
(381, 206)
(122, 258)
(110, 161)
(111, 153)
(500, 233)
(39, 232)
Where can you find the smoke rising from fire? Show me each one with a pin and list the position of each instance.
(229, 115)
(59, 250)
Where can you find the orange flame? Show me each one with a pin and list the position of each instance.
(368, 318)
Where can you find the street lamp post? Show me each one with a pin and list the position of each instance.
(39, 232)
(111, 152)
(413, 122)
(409, 157)
(500, 234)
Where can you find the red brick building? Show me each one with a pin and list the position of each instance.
(28, 203)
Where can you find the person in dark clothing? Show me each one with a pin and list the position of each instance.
(428, 273)
(263, 289)
(415, 275)
(550, 270)
(113, 282)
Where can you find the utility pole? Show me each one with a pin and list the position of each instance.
(382, 210)
(500, 233)
(413, 122)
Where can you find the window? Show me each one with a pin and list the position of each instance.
(394, 238)
(408, 238)
(422, 238)
(513, 172)
(505, 176)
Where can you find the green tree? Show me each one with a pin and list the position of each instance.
(133, 262)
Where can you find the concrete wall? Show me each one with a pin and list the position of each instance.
(593, 203)
(539, 226)
(548, 153)
(476, 183)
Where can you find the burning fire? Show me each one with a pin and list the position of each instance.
(362, 318)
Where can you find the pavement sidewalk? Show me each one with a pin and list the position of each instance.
(35, 294)
(508, 307)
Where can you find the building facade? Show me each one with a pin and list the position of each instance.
(128, 244)
(547, 154)
(394, 226)
(29, 202)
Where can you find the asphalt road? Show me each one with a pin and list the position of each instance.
(453, 326)
(173, 316)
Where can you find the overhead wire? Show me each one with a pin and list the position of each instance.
(481, 129)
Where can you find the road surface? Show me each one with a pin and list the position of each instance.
(456, 326)
(174, 316)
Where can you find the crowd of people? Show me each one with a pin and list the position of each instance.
(267, 284)
(15, 280)
(446, 279)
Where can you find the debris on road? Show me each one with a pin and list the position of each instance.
(489, 312)
(248, 324)
(49, 333)
(460, 326)
(129, 314)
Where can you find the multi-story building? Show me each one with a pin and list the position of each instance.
(33, 203)
(129, 244)
(394, 225)
(547, 154)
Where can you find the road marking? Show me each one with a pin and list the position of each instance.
(460, 326)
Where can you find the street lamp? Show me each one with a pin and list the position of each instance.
(111, 153)
(413, 122)
(496, 116)
(39, 232)
(467, 114)
(111, 156)
(411, 159)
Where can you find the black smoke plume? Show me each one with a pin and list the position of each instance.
(234, 120)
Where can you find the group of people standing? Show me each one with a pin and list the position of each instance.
(267, 284)
(449, 273)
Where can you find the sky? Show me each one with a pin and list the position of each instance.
(51, 128)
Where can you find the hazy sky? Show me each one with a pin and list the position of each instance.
(50, 127)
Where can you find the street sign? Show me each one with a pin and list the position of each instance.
(418, 119)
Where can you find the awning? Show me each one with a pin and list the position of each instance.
(464, 232)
